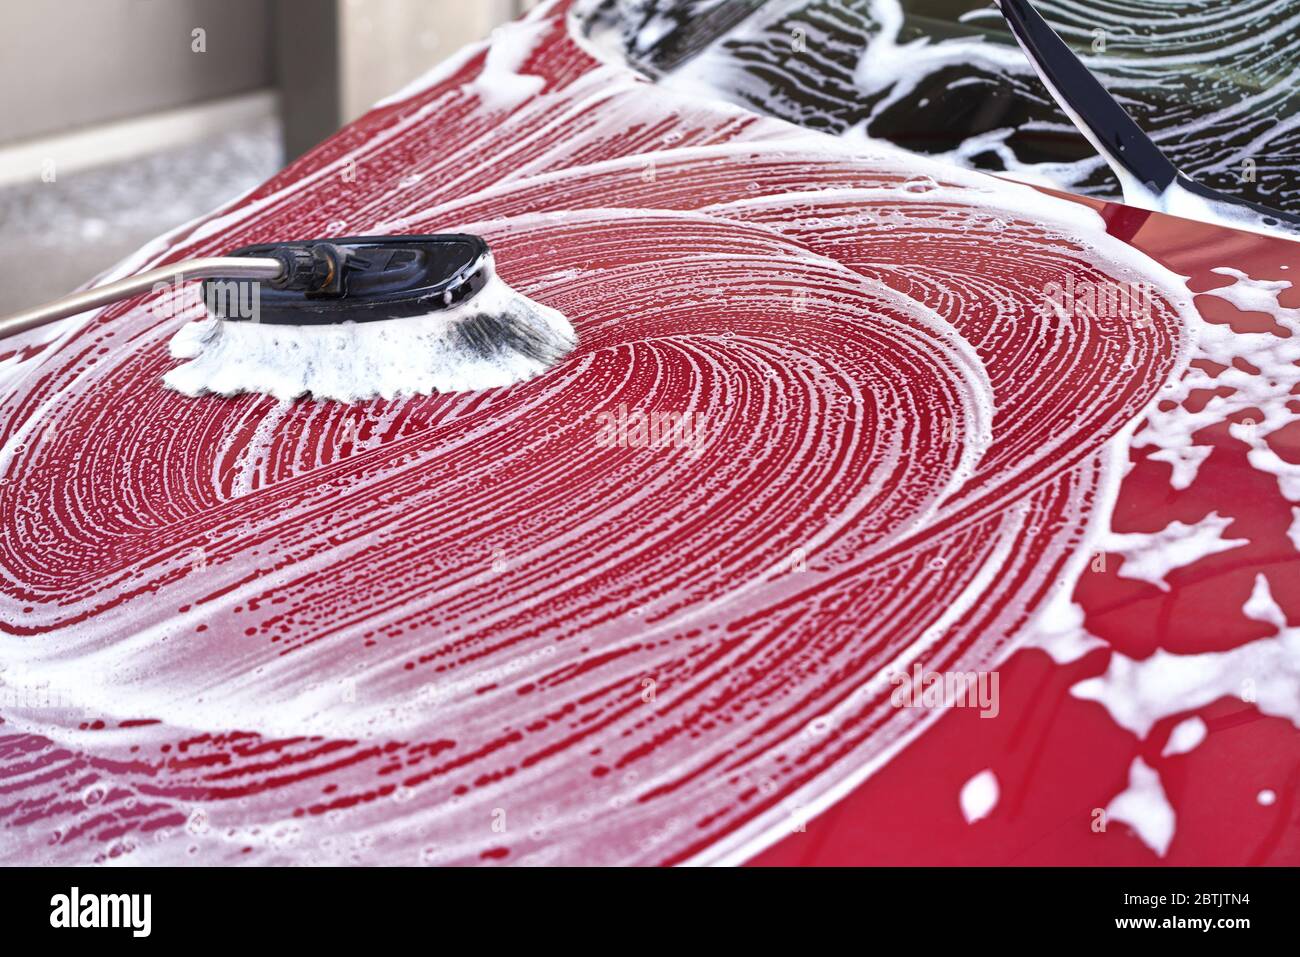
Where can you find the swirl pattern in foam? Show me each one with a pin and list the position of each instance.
(525, 625)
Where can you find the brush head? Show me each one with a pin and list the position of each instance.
(357, 279)
(395, 325)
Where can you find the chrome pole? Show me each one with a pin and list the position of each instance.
(231, 267)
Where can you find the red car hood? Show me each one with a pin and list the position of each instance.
(843, 427)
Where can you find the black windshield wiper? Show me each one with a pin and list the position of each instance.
(1134, 156)
(1149, 178)
(695, 34)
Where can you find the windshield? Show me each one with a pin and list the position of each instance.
(1215, 83)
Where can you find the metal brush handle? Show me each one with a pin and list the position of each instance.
(212, 267)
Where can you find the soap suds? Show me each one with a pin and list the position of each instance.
(979, 796)
(1261, 606)
(1185, 462)
(1263, 396)
(1265, 673)
(1186, 735)
(1144, 807)
(1059, 630)
(1150, 556)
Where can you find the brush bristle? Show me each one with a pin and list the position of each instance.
(498, 338)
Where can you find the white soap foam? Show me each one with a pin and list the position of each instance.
(1178, 201)
(504, 85)
(979, 796)
(1265, 673)
(1261, 606)
(1184, 461)
(1144, 807)
(1150, 556)
(1059, 630)
(1265, 395)
(1186, 735)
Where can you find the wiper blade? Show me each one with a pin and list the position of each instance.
(1094, 111)
(1144, 172)
(694, 35)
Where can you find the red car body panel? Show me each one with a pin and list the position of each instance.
(261, 591)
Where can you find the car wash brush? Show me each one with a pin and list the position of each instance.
(347, 319)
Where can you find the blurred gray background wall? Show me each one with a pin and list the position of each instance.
(68, 63)
(121, 119)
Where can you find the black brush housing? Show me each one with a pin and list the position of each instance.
(354, 279)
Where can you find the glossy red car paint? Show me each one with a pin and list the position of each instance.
(231, 558)
(1059, 758)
